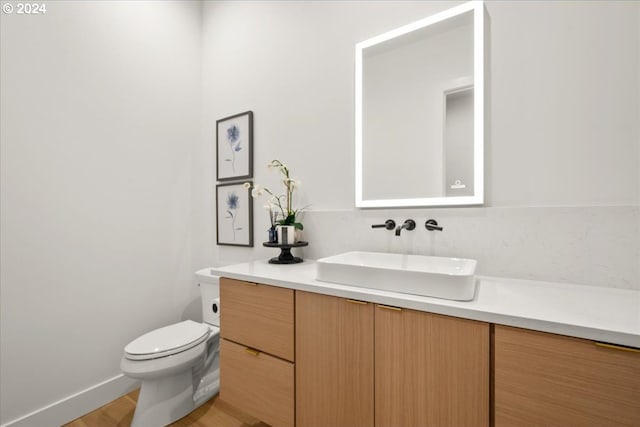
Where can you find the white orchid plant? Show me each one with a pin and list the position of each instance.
(280, 205)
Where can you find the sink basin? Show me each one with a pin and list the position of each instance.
(448, 278)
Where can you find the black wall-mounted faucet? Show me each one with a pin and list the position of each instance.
(388, 224)
(408, 224)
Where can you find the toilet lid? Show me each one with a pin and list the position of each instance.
(166, 341)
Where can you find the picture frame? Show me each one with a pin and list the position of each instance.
(234, 215)
(234, 147)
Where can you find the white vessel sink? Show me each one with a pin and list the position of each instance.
(449, 278)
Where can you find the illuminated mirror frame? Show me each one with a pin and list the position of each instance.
(478, 110)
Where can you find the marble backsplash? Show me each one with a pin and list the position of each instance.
(597, 246)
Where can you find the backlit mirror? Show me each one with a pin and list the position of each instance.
(420, 112)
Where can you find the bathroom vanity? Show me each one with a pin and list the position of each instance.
(297, 351)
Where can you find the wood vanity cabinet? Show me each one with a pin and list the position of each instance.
(334, 368)
(298, 358)
(257, 368)
(544, 379)
(362, 364)
(430, 370)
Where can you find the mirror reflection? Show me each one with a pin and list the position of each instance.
(416, 132)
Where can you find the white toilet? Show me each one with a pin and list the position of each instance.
(178, 364)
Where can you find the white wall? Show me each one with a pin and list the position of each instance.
(100, 113)
(565, 103)
(562, 153)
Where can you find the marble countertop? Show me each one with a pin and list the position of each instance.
(596, 313)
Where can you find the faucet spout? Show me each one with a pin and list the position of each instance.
(408, 224)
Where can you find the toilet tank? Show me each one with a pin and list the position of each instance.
(210, 293)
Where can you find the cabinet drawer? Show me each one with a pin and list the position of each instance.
(258, 316)
(259, 384)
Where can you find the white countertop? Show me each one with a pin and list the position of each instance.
(597, 313)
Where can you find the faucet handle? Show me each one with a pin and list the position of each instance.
(432, 225)
(388, 224)
(410, 224)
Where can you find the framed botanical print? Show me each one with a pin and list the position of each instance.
(234, 208)
(234, 147)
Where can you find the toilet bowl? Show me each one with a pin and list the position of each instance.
(177, 364)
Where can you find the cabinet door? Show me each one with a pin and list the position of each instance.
(257, 383)
(257, 316)
(334, 361)
(430, 370)
(545, 379)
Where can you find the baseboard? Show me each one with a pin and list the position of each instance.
(76, 405)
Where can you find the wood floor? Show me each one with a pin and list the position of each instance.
(119, 413)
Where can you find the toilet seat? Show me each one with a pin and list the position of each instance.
(167, 341)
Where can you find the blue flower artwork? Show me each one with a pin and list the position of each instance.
(233, 205)
(234, 214)
(233, 134)
(235, 144)
(232, 200)
(234, 147)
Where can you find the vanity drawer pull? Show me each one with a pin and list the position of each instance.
(355, 301)
(388, 307)
(252, 351)
(617, 347)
